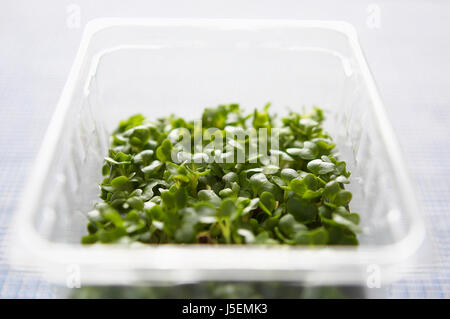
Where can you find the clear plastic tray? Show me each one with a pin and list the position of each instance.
(158, 67)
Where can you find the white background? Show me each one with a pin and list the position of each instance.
(407, 45)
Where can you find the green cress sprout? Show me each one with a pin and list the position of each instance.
(156, 191)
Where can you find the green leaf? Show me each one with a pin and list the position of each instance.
(227, 207)
(298, 187)
(325, 146)
(311, 182)
(268, 201)
(252, 205)
(230, 177)
(320, 167)
(226, 192)
(89, 239)
(342, 179)
(339, 235)
(260, 184)
(114, 217)
(288, 174)
(136, 202)
(152, 168)
(308, 152)
(110, 235)
(148, 193)
(143, 158)
(164, 151)
(206, 213)
(209, 196)
(343, 197)
(347, 223)
(309, 194)
(302, 210)
(331, 190)
(185, 234)
(180, 198)
(131, 122)
(119, 182)
(289, 226)
(318, 236)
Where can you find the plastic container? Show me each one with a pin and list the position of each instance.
(158, 67)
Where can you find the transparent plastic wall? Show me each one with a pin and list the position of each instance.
(159, 68)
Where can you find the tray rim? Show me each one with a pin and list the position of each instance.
(46, 253)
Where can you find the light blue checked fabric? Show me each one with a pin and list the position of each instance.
(408, 55)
